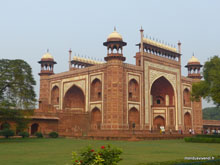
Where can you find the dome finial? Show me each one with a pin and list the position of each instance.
(47, 50)
(193, 54)
(114, 28)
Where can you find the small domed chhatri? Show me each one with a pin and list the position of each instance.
(193, 60)
(114, 36)
(47, 56)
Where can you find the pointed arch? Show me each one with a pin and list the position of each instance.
(186, 98)
(34, 128)
(160, 90)
(187, 121)
(158, 121)
(133, 90)
(55, 95)
(96, 90)
(133, 117)
(74, 99)
(96, 118)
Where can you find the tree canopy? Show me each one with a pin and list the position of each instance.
(209, 88)
(16, 85)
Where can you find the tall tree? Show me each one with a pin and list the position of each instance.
(16, 85)
(209, 88)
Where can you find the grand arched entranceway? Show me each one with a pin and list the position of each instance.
(163, 103)
(74, 99)
(158, 122)
(133, 117)
(96, 119)
(34, 128)
(187, 121)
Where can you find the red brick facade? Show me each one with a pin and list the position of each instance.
(117, 98)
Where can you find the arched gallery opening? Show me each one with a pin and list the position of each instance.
(162, 93)
(133, 118)
(186, 98)
(187, 121)
(74, 99)
(96, 90)
(34, 128)
(96, 118)
(133, 90)
(158, 122)
(55, 96)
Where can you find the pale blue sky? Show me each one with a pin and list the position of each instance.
(29, 27)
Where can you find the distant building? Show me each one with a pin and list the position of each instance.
(113, 97)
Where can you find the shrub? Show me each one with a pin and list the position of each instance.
(7, 133)
(23, 134)
(209, 136)
(39, 135)
(104, 156)
(53, 134)
(202, 140)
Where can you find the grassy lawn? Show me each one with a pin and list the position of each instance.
(58, 151)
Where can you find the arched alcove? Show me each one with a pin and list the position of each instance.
(55, 96)
(186, 98)
(187, 121)
(96, 118)
(96, 90)
(74, 99)
(133, 90)
(158, 121)
(34, 128)
(161, 89)
(133, 117)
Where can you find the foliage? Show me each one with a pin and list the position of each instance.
(16, 85)
(5, 125)
(202, 139)
(104, 156)
(23, 134)
(20, 117)
(39, 135)
(7, 133)
(211, 113)
(209, 88)
(53, 134)
(208, 136)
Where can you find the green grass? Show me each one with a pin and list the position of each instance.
(58, 151)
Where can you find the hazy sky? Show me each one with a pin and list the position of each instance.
(29, 27)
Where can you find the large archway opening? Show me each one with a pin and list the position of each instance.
(187, 121)
(96, 119)
(96, 90)
(74, 99)
(34, 128)
(133, 90)
(162, 93)
(55, 96)
(186, 98)
(133, 118)
(158, 122)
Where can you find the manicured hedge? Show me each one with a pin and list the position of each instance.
(23, 134)
(39, 135)
(209, 136)
(202, 139)
(53, 134)
(7, 133)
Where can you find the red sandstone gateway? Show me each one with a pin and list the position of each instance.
(104, 99)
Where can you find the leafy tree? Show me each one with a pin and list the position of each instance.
(17, 95)
(211, 113)
(209, 88)
(16, 85)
